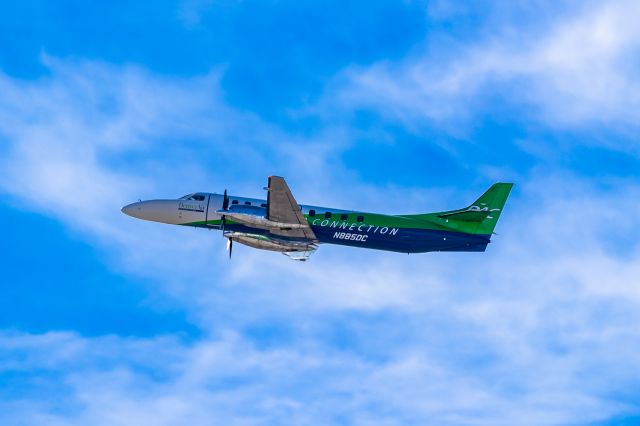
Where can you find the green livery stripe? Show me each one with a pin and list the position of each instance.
(205, 223)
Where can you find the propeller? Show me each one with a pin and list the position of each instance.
(223, 221)
(225, 201)
(225, 206)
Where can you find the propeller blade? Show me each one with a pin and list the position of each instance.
(230, 247)
(225, 206)
(225, 201)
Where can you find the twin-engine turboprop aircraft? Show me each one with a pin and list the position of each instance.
(279, 223)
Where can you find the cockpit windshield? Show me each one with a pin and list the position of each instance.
(194, 197)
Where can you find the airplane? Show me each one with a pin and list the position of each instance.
(280, 224)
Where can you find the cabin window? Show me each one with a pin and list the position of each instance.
(344, 216)
(247, 203)
(198, 197)
(312, 213)
(327, 215)
(234, 202)
(360, 219)
(263, 205)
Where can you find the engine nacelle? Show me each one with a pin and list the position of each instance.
(266, 243)
(256, 217)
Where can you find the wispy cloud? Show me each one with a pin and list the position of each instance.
(575, 71)
(541, 327)
(539, 330)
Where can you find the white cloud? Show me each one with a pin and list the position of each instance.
(571, 70)
(541, 327)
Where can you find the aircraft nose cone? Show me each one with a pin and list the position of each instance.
(164, 211)
(131, 209)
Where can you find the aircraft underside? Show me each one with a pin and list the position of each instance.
(405, 240)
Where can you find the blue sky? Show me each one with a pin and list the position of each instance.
(399, 107)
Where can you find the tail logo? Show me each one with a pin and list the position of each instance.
(484, 208)
(481, 209)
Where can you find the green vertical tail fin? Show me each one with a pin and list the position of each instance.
(481, 216)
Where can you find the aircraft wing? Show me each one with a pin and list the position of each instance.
(282, 207)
